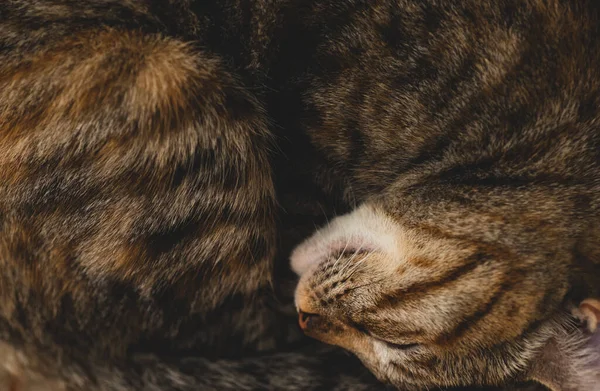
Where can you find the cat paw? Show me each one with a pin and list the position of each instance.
(588, 313)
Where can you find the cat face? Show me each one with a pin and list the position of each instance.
(417, 308)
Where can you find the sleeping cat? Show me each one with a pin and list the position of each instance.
(157, 155)
(468, 135)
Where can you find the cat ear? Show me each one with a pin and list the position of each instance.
(570, 361)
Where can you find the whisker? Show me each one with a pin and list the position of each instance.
(356, 267)
(341, 253)
(350, 263)
(324, 214)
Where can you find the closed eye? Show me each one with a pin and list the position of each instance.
(406, 346)
(392, 345)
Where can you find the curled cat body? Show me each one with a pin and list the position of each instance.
(153, 152)
(468, 139)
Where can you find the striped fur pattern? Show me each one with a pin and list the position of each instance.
(470, 147)
(160, 158)
(138, 213)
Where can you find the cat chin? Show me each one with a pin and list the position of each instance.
(364, 230)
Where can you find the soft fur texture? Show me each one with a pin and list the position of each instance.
(478, 180)
(160, 158)
(137, 205)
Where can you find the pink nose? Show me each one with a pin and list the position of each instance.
(304, 319)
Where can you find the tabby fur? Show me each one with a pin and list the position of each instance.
(159, 159)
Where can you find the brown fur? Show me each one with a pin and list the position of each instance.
(128, 184)
(475, 147)
(158, 160)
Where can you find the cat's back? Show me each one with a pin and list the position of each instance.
(494, 102)
(135, 193)
(391, 87)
